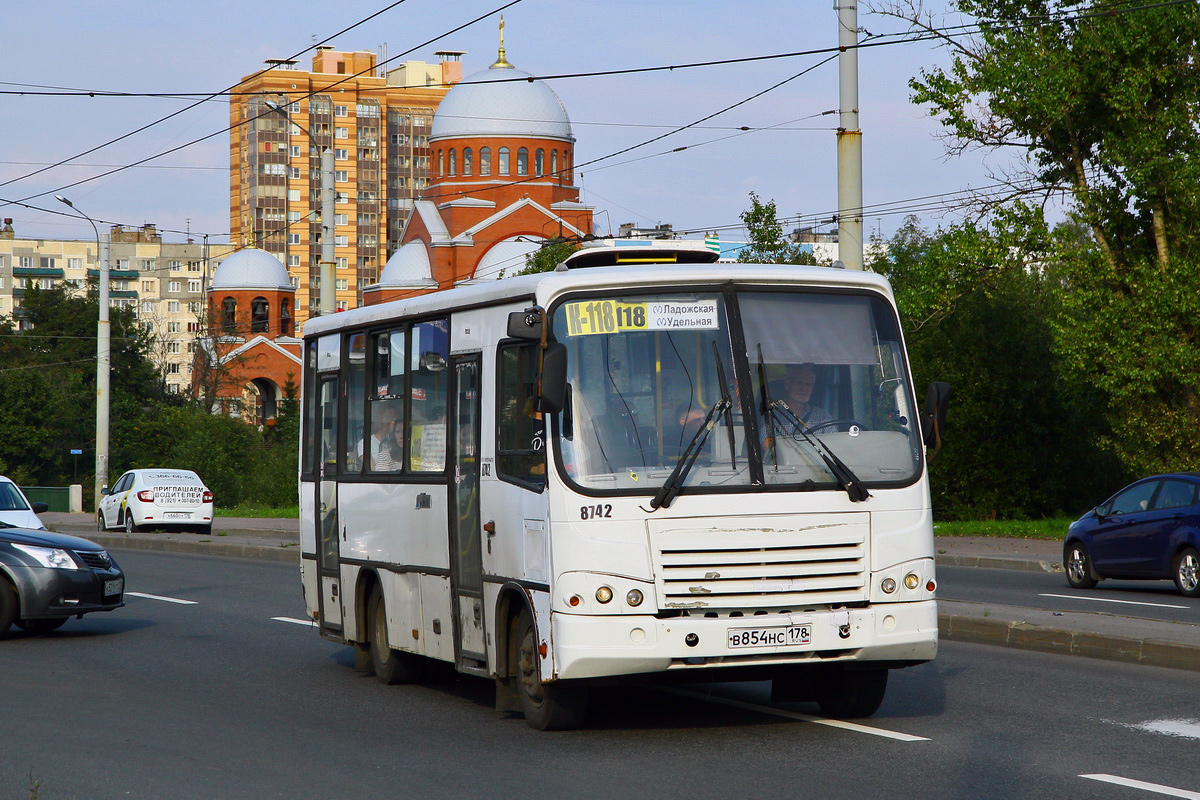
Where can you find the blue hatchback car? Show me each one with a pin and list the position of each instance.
(1148, 530)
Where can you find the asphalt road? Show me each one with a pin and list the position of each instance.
(1158, 600)
(214, 697)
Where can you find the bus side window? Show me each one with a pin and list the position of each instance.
(521, 431)
(428, 369)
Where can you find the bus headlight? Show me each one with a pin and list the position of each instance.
(634, 598)
(888, 585)
(912, 580)
(604, 594)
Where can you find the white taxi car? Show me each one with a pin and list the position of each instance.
(171, 499)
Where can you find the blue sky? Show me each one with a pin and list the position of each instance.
(152, 46)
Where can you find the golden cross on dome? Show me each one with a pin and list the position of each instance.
(501, 61)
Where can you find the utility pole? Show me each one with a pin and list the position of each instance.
(103, 355)
(849, 140)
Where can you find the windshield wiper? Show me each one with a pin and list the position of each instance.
(672, 484)
(845, 476)
(769, 418)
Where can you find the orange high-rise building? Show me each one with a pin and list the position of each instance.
(378, 126)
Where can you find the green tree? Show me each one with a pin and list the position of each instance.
(768, 245)
(1099, 100)
(978, 311)
(48, 384)
(549, 256)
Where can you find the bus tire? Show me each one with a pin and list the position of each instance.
(391, 666)
(555, 706)
(852, 692)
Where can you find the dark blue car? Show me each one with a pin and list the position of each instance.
(1148, 530)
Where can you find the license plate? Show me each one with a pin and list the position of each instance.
(114, 586)
(778, 636)
(177, 515)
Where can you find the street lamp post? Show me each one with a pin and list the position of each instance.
(327, 215)
(103, 358)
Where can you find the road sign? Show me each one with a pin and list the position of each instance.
(76, 452)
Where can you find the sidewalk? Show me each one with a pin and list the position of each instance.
(1092, 634)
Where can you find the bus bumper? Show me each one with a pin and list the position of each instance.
(596, 646)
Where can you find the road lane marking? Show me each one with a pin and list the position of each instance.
(306, 622)
(1110, 600)
(164, 599)
(1157, 788)
(1187, 728)
(779, 712)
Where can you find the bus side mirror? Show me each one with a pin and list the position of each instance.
(526, 324)
(933, 415)
(552, 381)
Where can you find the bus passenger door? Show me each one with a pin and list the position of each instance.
(328, 567)
(466, 558)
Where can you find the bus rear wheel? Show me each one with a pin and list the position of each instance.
(390, 666)
(852, 692)
(554, 706)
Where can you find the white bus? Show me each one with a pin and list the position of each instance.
(605, 473)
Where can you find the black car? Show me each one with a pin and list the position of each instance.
(47, 578)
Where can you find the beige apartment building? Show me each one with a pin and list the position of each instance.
(376, 122)
(163, 282)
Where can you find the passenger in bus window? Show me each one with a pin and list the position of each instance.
(390, 457)
(796, 390)
(383, 418)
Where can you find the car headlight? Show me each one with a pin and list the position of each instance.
(51, 557)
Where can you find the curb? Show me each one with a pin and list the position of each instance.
(997, 562)
(1024, 636)
(284, 554)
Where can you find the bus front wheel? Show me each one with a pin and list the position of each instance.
(554, 706)
(852, 692)
(390, 666)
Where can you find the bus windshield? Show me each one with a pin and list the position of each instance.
(650, 374)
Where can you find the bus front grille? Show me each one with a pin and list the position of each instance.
(799, 561)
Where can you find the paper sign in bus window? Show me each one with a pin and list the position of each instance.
(588, 317)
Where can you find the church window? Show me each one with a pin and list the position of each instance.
(467, 160)
(285, 317)
(453, 162)
(523, 161)
(229, 316)
(260, 315)
(554, 163)
(485, 161)
(441, 163)
(539, 162)
(502, 157)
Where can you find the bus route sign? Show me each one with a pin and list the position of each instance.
(588, 317)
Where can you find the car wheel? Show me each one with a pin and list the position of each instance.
(390, 666)
(556, 706)
(100, 526)
(129, 526)
(41, 625)
(1187, 572)
(1078, 566)
(8, 605)
(853, 692)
